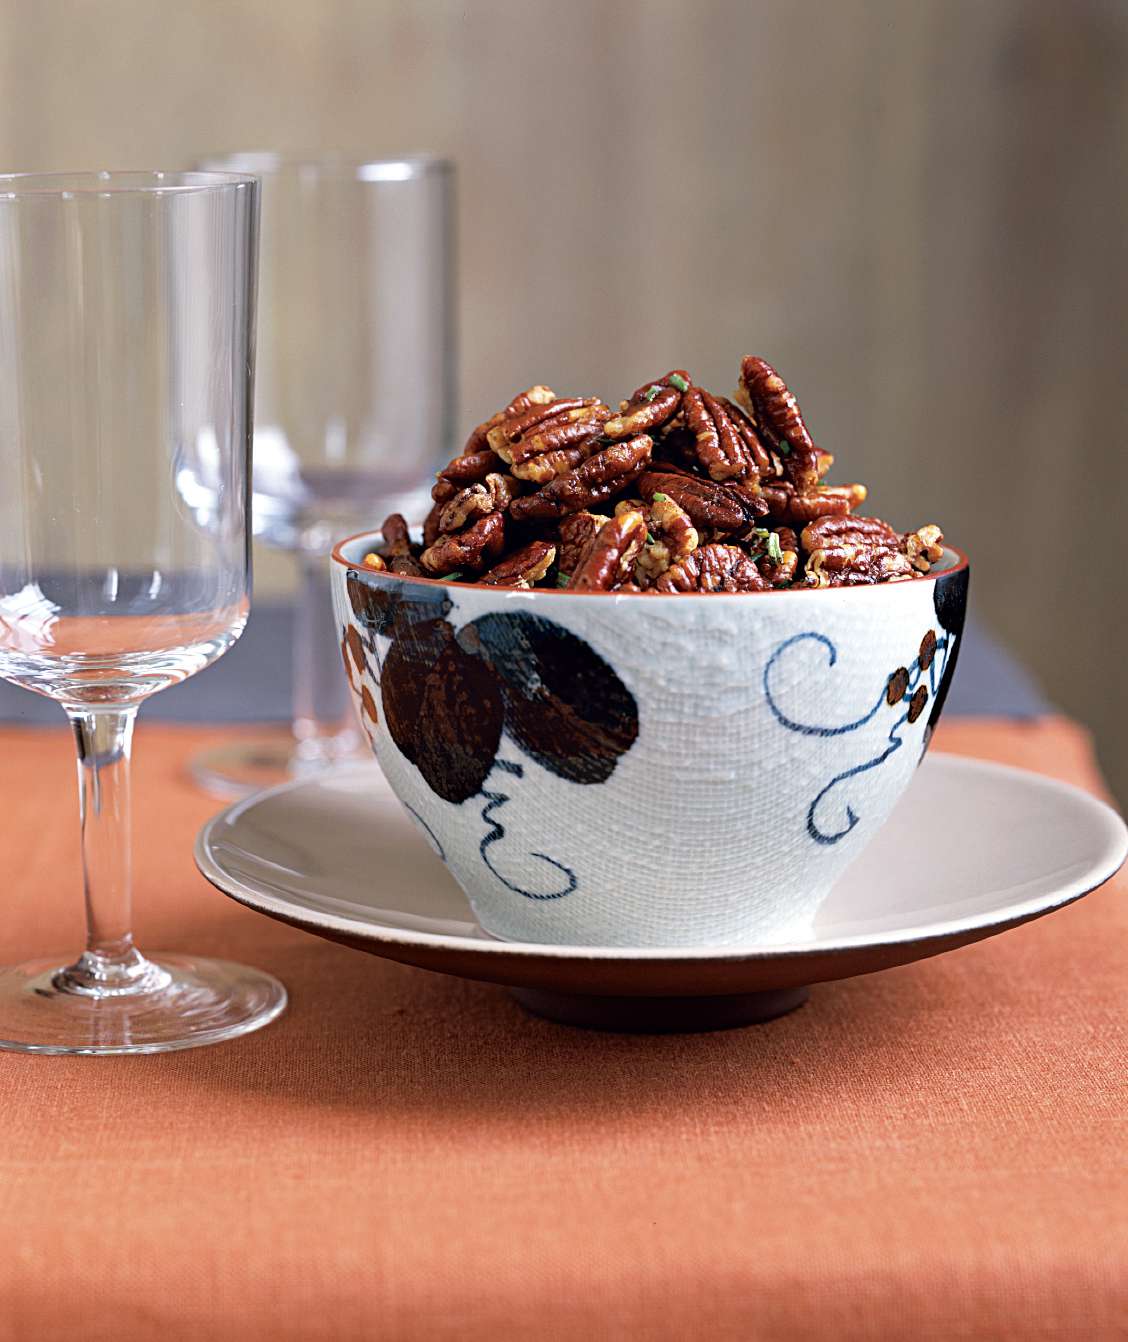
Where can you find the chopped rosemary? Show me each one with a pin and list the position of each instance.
(784, 446)
(651, 392)
(650, 539)
(451, 577)
(676, 380)
(562, 579)
(659, 498)
(775, 552)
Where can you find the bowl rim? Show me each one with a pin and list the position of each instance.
(337, 557)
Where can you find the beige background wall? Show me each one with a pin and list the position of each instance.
(917, 208)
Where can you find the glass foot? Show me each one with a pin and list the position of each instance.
(247, 766)
(184, 1002)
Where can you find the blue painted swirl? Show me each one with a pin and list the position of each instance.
(494, 802)
(817, 831)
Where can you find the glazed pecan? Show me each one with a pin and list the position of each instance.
(722, 441)
(610, 554)
(712, 568)
(923, 547)
(524, 567)
(725, 509)
(847, 551)
(407, 566)
(842, 564)
(575, 531)
(869, 532)
(652, 406)
(788, 505)
(375, 561)
(431, 523)
(478, 440)
(468, 551)
(548, 465)
(468, 469)
(777, 416)
(608, 473)
(562, 423)
(780, 561)
(397, 538)
(671, 536)
(493, 495)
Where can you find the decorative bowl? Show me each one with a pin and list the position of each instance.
(641, 770)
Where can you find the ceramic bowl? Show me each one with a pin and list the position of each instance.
(626, 770)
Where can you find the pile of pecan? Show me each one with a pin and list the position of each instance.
(677, 491)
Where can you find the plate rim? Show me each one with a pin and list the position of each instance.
(1112, 859)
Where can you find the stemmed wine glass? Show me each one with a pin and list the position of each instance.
(127, 317)
(354, 403)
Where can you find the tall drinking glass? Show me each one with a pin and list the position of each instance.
(127, 315)
(354, 403)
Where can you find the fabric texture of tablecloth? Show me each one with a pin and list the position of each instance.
(937, 1151)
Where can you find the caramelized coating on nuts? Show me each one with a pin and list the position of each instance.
(777, 415)
(680, 491)
(610, 554)
(601, 477)
(713, 568)
(524, 568)
(468, 551)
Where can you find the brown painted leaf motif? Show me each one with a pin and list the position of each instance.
(443, 709)
(564, 706)
(459, 727)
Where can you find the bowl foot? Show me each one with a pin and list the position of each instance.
(660, 1015)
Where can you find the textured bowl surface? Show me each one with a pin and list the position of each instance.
(647, 771)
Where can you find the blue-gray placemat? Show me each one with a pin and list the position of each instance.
(252, 682)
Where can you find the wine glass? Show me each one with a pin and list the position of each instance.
(127, 316)
(354, 403)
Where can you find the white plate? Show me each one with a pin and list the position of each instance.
(972, 849)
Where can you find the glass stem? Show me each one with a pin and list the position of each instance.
(110, 964)
(324, 723)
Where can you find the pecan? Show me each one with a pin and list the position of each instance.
(781, 571)
(406, 566)
(468, 469)
(524, 567)
(375, 561)
(723, 508)
(547, 428)
(844, 551)
(492, 496)
(468, 551)
(431, 523)
(777, 416)
(924, 547)
(541, 469)
(853, 565)
(653, 406)
(712, 568)
(869, 532)
(397, 538)
(575, 531)
(477, 442)
(609, 555)
(671, 537)
(719, 441)
(789, 505)
(609, 472)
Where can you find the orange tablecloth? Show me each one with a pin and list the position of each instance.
(937, 1151)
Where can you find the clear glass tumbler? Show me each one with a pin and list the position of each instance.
(354, 402)
(127, 318)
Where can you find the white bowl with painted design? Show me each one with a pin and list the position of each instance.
(627, 770)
